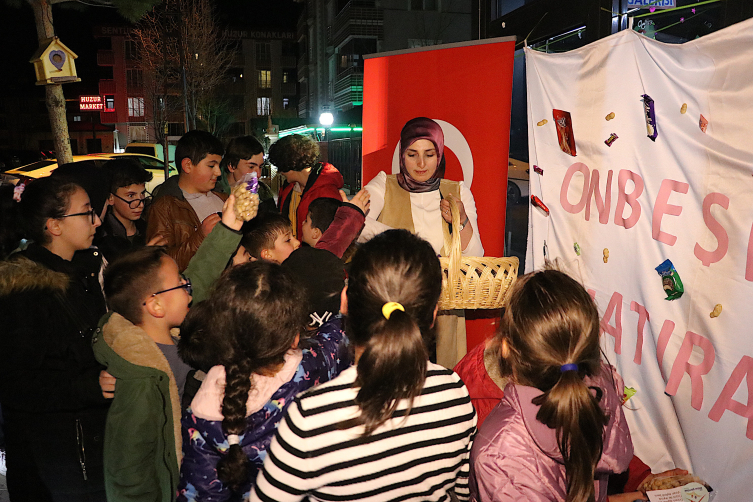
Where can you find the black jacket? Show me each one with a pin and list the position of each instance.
(113, 240)
(52, 405)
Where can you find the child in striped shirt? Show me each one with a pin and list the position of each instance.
(394, 426)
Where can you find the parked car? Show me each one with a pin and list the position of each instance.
(153, 149)
(517, 181)
(42, 168)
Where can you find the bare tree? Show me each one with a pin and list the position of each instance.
(55, 98)
(182, 52)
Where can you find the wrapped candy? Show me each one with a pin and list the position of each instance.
(650, 114)
(670, 280)
(565, 135)
(246, 197)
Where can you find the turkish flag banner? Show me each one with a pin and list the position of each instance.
(467, 89)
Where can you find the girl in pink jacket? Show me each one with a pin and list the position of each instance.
(559, 431)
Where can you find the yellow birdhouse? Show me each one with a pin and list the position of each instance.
(53, 63)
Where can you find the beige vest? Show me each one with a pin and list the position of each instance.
(397, 210)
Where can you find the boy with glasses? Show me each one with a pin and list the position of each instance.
(123, 227)
(148, 298)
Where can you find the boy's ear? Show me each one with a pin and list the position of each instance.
(266, 254)
(316, 233)
(231, 168)
(154, 308)
(434, 316)
(111, 200)
(186, 165)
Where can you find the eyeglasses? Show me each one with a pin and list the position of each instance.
(91, 213)
(134, 203)
(186, 285)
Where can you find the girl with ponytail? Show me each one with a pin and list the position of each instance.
(254, 315)
(559, 431)
(394, 426)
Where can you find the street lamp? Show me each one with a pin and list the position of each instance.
(326, 119)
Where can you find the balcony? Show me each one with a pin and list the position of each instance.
(357, 19)
(105, 58)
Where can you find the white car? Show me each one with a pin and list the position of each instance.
(517, 182)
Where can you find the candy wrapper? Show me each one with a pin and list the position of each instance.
(564, 131)
(670, 280)
(650, 113)
(611, 139)
(246, 197)
(703, 123)
(540, 204)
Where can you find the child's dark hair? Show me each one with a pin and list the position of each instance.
(126, 172)
(259, 310)
(295, 152)
(195, 145)
(261, 232)
(322, 212)
(130, 278)
(43, 199)
(551, 321)
(395, 266)
(241, 148)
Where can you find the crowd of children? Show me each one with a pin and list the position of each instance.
(168, 350)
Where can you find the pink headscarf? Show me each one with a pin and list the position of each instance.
(413, 130)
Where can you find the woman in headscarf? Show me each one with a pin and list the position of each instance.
(417, 199)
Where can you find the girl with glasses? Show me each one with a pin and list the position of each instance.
(50, 299)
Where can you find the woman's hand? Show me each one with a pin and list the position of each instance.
(444, 206)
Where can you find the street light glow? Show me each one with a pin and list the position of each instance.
(326, 119)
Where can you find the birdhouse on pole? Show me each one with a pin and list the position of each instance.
(53, 63)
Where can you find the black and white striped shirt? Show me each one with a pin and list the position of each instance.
(423, 457)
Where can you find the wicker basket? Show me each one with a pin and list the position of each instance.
(470, 282)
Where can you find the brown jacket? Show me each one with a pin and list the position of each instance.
(171, 216)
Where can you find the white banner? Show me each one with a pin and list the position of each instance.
(628, 207)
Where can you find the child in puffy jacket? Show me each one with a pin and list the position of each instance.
(254, 318)
(559, 431)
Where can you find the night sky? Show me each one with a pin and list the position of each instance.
(73, 25)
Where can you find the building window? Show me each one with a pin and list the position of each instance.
(109, 103)
(424, 4)
(265, 79)
(175, 129)
(285, 103)
(135, 107)
(130, 49)
(263, 52)
(77, 118)
(263, 106)
(134, 77)
(286, 77)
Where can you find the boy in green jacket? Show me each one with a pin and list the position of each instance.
(148, 299)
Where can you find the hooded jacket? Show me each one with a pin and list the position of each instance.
(205, 442)
(142, 448)
(52, 404)
(172, 216)
(516, 458)
(324, 181)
